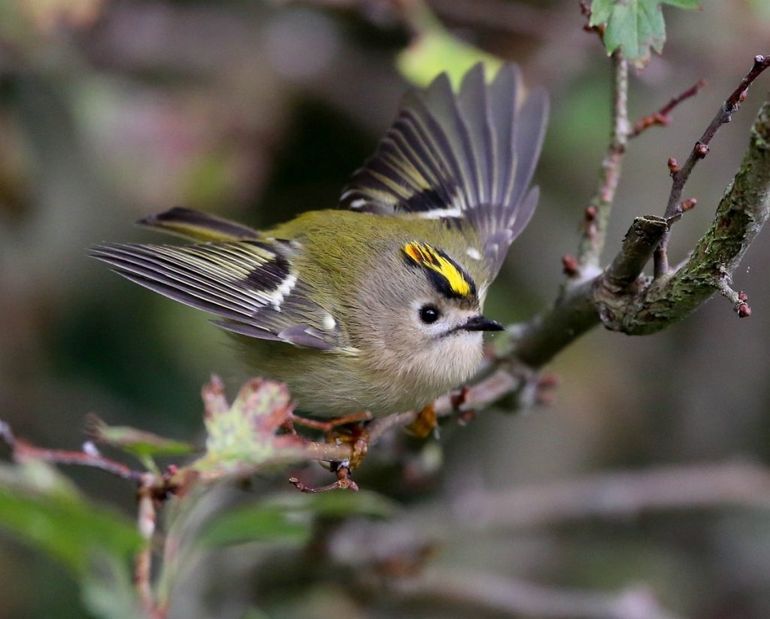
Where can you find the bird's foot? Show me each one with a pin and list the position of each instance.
(344, 481)
(329, 425)
(425, 423)
(354, 435)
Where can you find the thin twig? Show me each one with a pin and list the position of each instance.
(22, 450)
(597, 213)
(150, 487)
(701, 149)
(739, 217)
(146, 523)
(663, 116)
(738, 298)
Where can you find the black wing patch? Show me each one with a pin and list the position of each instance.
(468, 156)
(249, 285)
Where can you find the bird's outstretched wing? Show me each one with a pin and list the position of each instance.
(198, 226)
(466, 156)
(249, 284)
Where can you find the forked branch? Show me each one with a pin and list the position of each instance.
(701, 148)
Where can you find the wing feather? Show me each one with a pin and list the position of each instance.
(197, 225)
(467, 156)
(249, 285)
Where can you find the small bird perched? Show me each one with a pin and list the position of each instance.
(377, 307)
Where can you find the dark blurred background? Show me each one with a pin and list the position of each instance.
(113, 109)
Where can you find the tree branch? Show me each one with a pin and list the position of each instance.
(597, 213)
(641, 308)
(146, 523)
(663, 116)
(21, 449)
(638, 246)
(701, 149)
(550, 332)
(579, 308)
(739, 217)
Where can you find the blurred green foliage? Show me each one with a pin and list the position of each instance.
(44, 507)
(290, 516)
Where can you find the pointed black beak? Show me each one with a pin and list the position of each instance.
(479, 323)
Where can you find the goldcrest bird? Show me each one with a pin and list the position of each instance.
(377, 307)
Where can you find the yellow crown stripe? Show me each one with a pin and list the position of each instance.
(430, 258)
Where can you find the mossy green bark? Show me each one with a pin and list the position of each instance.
(740, 216)
(624, 301)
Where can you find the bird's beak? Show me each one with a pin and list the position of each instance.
(480, 323)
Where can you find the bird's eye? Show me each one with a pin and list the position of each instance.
(429, 314)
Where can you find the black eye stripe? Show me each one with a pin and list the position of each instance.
(429, 314)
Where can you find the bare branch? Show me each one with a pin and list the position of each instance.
(598, 212)
(548, 333)
(21, 450)
(663, 116)
(739, 299)
(146, 523)
(646, 309)
(741, 213)
(701, 149)
(638, 246)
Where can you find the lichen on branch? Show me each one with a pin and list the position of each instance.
(741, 213)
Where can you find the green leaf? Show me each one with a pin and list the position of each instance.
(43, 508)
(336, 504)
(684, 4)
(262, 523)
(243, 437)
(137, 442)
(634, 26)
(108, 591)
(289, 517)
(435, 51)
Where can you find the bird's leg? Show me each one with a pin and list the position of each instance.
(354, 435)
(345, 430)
(329, 425)
(425, 423)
